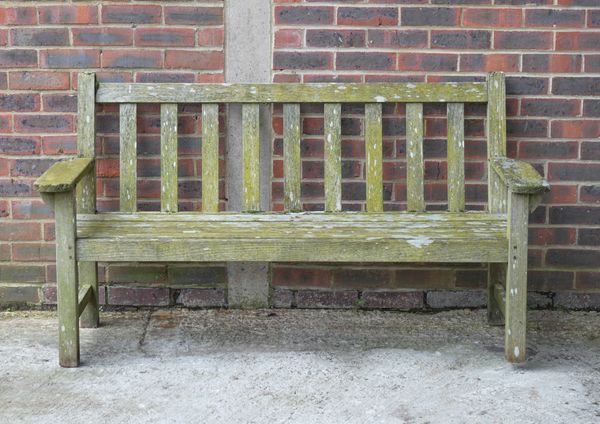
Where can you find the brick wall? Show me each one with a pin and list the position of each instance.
(42, 47)
(550, 51)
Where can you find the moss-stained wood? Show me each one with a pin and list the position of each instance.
(168, 157)
(86, 138)
(496, 277)
(374, 157)
(292, 249)
(128, 157)
(210, 158)
(63, 175)
(519, 176)
(291, 93)
(500, 297)
(292, 166)
(414, 157)
(516, 278)
(86, 188)
(85, 296)
(333, 157)
(456, 157)
(342, 229)
(251, 142)
(66, 277)
(496, 139)
(315, 218)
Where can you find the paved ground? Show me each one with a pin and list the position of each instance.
(300, 366)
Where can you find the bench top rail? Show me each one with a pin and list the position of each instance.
(291, 93)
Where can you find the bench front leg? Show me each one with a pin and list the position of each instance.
(67, 279)
(516, 278)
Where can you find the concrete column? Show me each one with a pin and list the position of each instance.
(247, 59)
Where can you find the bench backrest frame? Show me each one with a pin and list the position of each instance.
(168, 95)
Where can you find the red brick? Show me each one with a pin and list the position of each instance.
(489, 62)
(138, 296)
(389, 38)
(33, 252)
(20, 231)
(4, 252)
(578, 41)
(68, 14)
(59, 102)
(367, 16)
(561, 194)
(38, 80)
(569, 171)
(303, 15)
(588, 280)
(590, 194)
(131, 14)
(191, 59)
(288, 38)
(523, 40)
(18, 58)
(576, 129)
(70, 59)
(32, 124)
(427, 62)
(141, 58)
(450, 39)
(19, 103)
(22, 15)
(592, 63)
(492, 17)
(550, 107)
(165, 37)
(552, 236)
(211, 37)
(200, 16)
(31, 209)
(39, 37)
(59, 145)
(103, 36)
(548, 150)
(302, 60)
(555, 63)
(554, 18)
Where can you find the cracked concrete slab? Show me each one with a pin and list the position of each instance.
(304, 366)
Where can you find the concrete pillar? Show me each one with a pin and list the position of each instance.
(247, 59)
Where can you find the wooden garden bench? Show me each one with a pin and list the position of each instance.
(497, 236)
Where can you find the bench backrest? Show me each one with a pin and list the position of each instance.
(128, 95)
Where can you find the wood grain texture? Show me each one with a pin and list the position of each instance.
(456, 157)
(251, 148)
(63, 175)
(292, 165)
(67, 279)
(86, 189)
(210, 158)
(414, 157)
(291, 93)
(85, 296)
(496, 276)
(374, 157)
(496, 139)
(333, 156)
(128, 157)
(168, 157)
(516, 278)
(518, 176)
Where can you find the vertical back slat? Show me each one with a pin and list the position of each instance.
(456, 157)
(414, 157)
(374, 157)
(86, 139)
(333, 157)
(168, 157)
(496, 139)
(291, 157)
(128, 157)
(251, 144)
(210, 157)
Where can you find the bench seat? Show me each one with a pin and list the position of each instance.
(322, 237)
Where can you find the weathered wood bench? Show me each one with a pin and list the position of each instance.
(497, 236)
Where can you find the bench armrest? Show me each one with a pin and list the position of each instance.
(63, 176)
(520, 177)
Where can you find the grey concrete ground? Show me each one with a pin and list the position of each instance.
(300, 366)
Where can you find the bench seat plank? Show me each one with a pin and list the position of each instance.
(382, 237)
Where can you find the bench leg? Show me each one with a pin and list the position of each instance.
(496, 275)
(88, 275)
(66, 275)
(516, 278)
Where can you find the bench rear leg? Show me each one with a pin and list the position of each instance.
(88, 275)
(496, 275)
(67, 278)
(516, 278)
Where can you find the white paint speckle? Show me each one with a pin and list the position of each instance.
(420, 241)
(517, 351)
